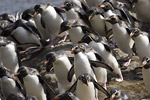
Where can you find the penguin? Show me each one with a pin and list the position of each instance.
(97, 21)
(66, 96)
(84, 65)
(93, 3)
(76, 29)
(28, 15)
(141, 13)
(146, 72)
(21, 33)
(50, 15)
(9, 84)
(61, 65)
(33, 83)
(85, 87)
(9, 55)
(103, 49)
(142, 42)
(121, 36)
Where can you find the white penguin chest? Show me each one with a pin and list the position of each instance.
(71, 14)
(76, 34)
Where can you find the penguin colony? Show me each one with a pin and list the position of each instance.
(95, 29)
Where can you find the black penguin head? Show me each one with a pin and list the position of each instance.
(7, 17)
(133, 1)
(4, 41)
(115, 93)
(106, 6)
(86, 78)
(67, 5)
(75, 50)
(113, 19)
(51, 57)
(28, 14)
(39, 8)
(66, 25)
(87, 38)
(3, 71)
(22, 72)
(146, 62)
(92, 12)
(135, 32)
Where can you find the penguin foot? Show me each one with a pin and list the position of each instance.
(124, 62)
(63, 40)
(119, 79)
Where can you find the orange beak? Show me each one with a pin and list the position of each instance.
(16, 74)
(144, 63)
(89, 18)
(87, 84)
(72, 50)
(106, 19)
(80, 41)
(45, 62)
(101, 6)
(131, 34)
(62, 6)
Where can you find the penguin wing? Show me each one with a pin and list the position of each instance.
(59, 11)
(19, 85)
(49, 66)
(25, 26)
(43, 81)
(99, 57)
(100, 64)
(73, 87)
(99, 87)
(70, 73)
(42, 23)
(107, 48)
(71, 59)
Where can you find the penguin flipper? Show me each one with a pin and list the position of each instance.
(99, 57)
(71, 59)
(42, 23)
(43, 81)
(100, 64)
(22, 90)
(70, 74)
(73, 87)
(49, 66)
(59, 11)
(99, 87)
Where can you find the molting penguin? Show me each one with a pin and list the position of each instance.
(61, 65)
(146, 72)
(103, 50)
(9, 55)
(142, 42)
(10, 85)
(33, 83)
(49, 16)
(121, 35)
(85, 87)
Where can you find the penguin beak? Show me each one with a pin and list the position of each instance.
(16, 74)
(101, 6)
(35, 13)
(56, 98)
(106, 19)
(80, 41)
(144, 63)
(62, 6)
(87, 84)
(45, 62)
(72, 50)
(131, 35)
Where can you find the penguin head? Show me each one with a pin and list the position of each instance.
(146, 62)
(28, 14)
(22, 72)
(7, 17)
(115, 94)
(51, 57)
(106, 6)
(113, 19)
(135, 32)
(39, 8)
(4, 41)
(75, 50)
(92, 12)
(3, 71)
(87, 38)
(133, 1)
(66, 25)
(67, 5)
(86, 78)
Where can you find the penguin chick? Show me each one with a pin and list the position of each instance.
(103, 50)
(33, 83)
(9, 84)
(9, 54)
(61, 65)
(142, 42)
(87, 85)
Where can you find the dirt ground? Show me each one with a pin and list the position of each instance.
(132, 85)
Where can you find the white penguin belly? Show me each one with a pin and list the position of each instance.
(33, 87)
(9, 57)
(71, 14)
(85, 92)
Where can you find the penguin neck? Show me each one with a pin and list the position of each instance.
(72, 14)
